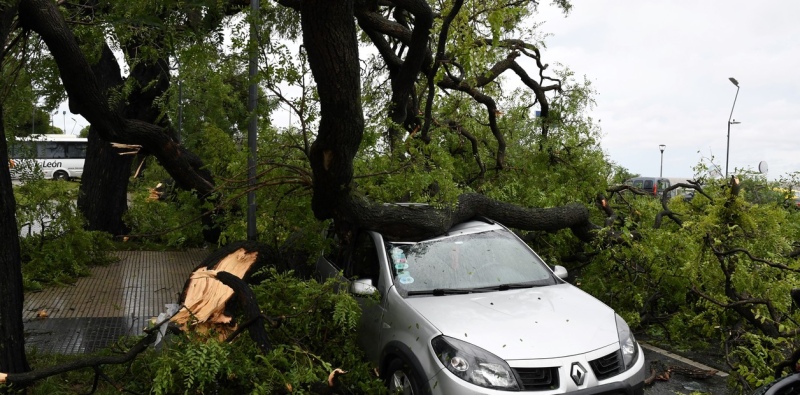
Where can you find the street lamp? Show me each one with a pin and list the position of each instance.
(728, 149)
(661, 171)
(64, 114)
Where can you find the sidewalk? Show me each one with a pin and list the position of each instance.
(116, 300)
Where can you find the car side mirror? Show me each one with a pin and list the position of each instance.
(560, 272)
(363, 287)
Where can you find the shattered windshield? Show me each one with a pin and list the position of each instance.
(477, 261)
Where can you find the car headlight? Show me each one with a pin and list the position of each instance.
(474, 364)
(627, 344)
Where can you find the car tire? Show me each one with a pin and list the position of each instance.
(401, 378)
(61, 175)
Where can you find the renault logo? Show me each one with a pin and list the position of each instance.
(578, 373)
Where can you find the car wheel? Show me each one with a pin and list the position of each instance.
(61, 175)
(401, 378)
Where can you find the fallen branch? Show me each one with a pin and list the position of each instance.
(26, 378)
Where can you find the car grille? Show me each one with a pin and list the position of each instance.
(607, 366)
(538, 379)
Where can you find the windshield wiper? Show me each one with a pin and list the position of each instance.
(462, 291)
(506, 287)
(442, 291)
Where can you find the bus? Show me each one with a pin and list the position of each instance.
(56, 156)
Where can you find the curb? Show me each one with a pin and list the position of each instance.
(682, 359)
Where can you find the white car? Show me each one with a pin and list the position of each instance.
(476, 311)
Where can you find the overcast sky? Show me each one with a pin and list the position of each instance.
(661, 71)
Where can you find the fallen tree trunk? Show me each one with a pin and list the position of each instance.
(417, 222)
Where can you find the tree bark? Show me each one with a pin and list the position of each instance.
(12, 337)
(103, 195)
(329, 36)
(102, 198)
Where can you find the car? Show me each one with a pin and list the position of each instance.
(654, 186)
(477, 311)
(787, 385)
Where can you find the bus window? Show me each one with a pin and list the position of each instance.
(76, 150)
(648, 185)
(52, 150)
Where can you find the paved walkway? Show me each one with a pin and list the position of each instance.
(116, 300)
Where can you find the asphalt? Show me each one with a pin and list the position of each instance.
(120, 299)
(683, 374)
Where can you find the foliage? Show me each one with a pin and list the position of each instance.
(173, 220)
(720, 277)
(316, 334)
(55, 248)
(30, 89)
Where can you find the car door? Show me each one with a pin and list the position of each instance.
(364, 265)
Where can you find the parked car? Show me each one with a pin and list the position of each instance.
(787, 385)
(652, 185)
(476, 311)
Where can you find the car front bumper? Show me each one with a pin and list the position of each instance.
(630, 382)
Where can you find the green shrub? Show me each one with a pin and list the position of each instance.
(173, 221)
(316, 334)
(54, 246)
(721, 277)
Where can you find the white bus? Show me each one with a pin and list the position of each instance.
(57, 156)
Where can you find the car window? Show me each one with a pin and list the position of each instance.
(466, 261)
(334, 253)
(364, 259)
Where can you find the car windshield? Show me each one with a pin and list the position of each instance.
(477, 262)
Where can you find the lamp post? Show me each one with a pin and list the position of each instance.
(728, 149)
(661, 171)
(64, 114)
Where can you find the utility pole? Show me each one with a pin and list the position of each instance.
(252, 134)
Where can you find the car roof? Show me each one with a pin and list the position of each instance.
(466, 227)
(473, 226)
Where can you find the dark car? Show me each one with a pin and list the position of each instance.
(788, 385)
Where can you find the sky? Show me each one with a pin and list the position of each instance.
(661, 71)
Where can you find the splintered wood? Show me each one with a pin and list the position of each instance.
(204, 305)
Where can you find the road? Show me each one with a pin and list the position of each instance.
(680, 383)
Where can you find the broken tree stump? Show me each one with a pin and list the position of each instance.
(207, 301)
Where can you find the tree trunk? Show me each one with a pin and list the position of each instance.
(103, 197)
(329, 36)
(12, 337)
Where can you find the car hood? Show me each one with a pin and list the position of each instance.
(535, 323)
